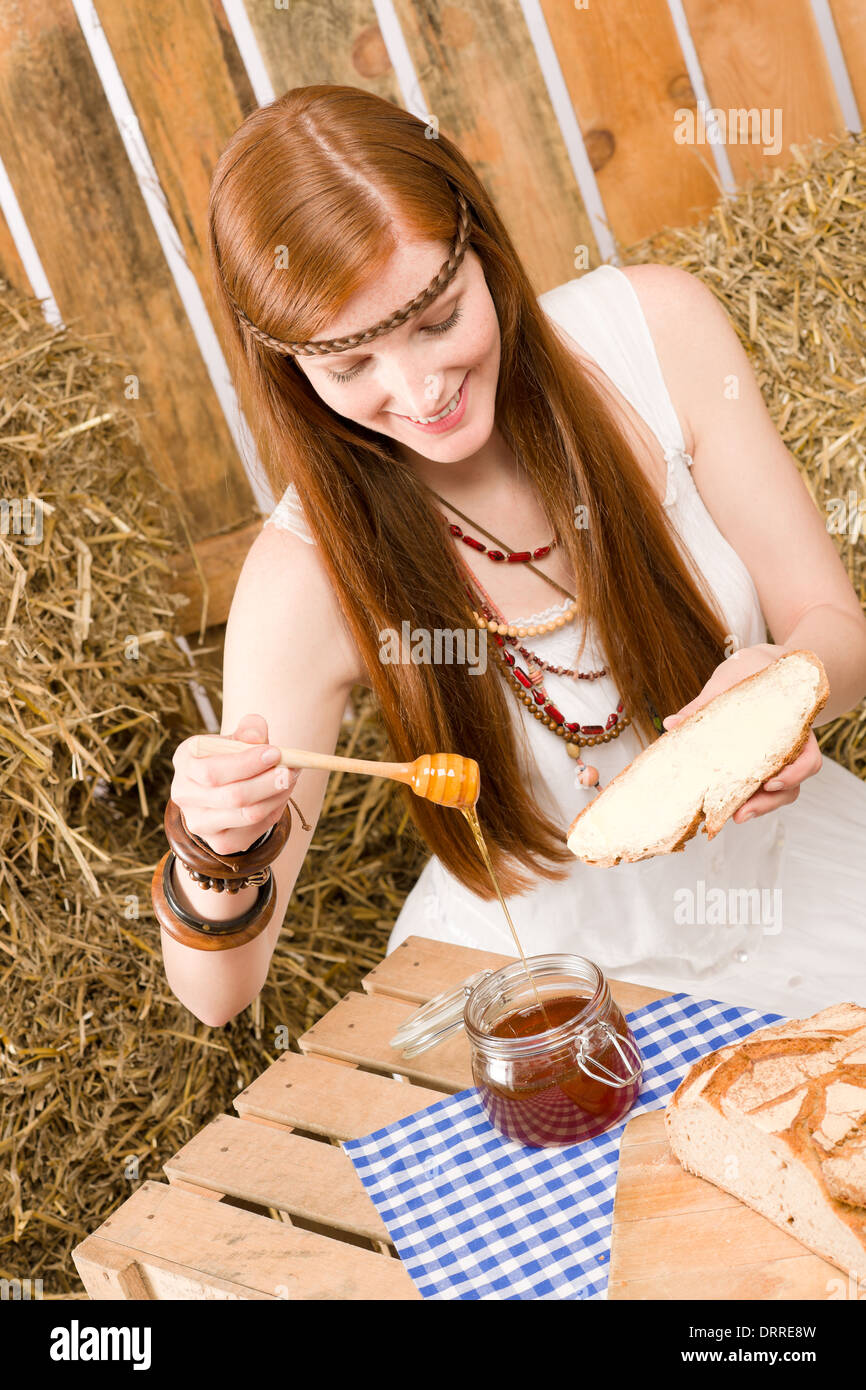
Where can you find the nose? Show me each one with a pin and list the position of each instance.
(415, 391)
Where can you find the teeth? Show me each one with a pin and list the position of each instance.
(452, 405)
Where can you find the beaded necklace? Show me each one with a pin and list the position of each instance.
(528, 687)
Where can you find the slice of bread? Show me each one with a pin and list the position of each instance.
(706, 767)
(779, 1121)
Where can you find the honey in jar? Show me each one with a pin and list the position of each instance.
(549, 1092)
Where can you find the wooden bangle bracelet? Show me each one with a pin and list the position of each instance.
(195, 855)
(202, 935)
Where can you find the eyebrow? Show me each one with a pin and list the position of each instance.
(443, 300)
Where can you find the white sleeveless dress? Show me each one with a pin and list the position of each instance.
(769, 914)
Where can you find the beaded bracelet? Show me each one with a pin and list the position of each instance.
(224, 872)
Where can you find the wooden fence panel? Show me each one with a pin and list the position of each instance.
(479, 74)
(103, 260)
(308, 42)
(766, 57)
(190, 91)
(627, 77)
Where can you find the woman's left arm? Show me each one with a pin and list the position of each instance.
(752, 488)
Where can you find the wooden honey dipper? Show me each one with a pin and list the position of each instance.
(448, 779)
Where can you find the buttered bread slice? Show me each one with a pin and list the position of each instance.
(705, 768)
(779, 1121)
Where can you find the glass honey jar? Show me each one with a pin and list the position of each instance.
(553, 1057)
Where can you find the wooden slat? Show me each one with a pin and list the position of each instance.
(422, 967)
(849, 16)
(81, 201)
(479, 75)
(317, 1096)
(248, 1251)
(187, 82)
(308, 42)
(359, 1029)
(626, 77)
(755, 57)
(112, 1272)
(780, 1280)
(300, 1176)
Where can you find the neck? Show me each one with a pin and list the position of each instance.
(492, 470)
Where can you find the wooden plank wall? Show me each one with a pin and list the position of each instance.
(479, 67)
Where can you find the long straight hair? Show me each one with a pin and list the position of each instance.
(301, 217)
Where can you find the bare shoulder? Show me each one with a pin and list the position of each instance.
(284, 599)
(688, 325)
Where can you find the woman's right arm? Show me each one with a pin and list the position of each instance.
(288, 670)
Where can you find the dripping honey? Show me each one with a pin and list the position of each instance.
(472, 817)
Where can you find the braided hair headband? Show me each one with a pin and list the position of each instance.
(311, 348)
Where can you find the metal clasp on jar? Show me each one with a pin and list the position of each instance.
(609, 1078)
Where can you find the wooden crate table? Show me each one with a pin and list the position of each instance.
(264, 1204)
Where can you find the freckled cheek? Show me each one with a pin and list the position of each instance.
(484, 350)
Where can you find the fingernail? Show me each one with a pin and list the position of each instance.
(775, 785)
(271, 755)
(749, 816)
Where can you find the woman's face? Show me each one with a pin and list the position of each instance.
(450, 351)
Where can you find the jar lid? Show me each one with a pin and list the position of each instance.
(436, 1020)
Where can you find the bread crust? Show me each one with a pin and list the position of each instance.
(713, 824)
(808, 1159)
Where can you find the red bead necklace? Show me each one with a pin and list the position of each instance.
(512, 557)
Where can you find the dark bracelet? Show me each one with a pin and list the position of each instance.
(224, 872)
(194, 931)
(263, 897)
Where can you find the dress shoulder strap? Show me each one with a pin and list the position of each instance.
(603, 314)
(288, 515)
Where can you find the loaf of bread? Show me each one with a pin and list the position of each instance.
(706, 767)
(779, 1121)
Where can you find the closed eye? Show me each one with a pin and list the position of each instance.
(450, 322)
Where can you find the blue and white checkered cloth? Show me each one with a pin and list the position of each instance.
(475, 1215)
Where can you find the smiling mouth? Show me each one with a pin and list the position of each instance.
(448, 409)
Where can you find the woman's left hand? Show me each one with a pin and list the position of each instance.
(784, 787)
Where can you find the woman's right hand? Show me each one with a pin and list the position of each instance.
(230, 799)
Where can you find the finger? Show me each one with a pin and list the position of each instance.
(671, 720)
(211, 824)
(215, 769)
(262, 811)
(762, 802)
(252, 728)
(240, 791)
(806, 764)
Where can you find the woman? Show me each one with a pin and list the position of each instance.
(409, 392)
